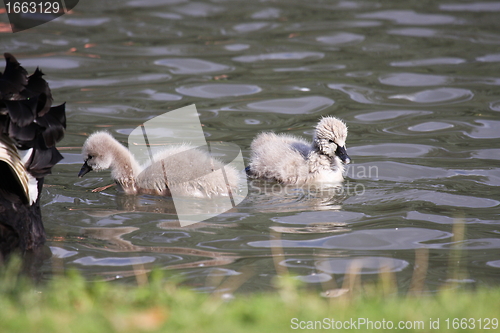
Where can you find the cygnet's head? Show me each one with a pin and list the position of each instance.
(96, 152)
(330, 136)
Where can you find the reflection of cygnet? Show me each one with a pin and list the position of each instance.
(182, 170)
(292, 160)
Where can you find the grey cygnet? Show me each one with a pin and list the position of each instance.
(291, 160)
(192, 171)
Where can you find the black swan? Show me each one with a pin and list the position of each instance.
(30, 127)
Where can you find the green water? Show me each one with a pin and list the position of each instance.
(416, 82)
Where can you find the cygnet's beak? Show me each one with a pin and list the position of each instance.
(84, 170)
(342, 154)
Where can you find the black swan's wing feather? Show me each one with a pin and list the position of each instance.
(27, 121)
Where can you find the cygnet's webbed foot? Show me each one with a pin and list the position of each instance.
(100, 189)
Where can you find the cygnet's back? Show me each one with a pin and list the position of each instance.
(188, 171)
(281, 157)
(291, 160)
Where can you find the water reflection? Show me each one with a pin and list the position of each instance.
(472, 7)
(312, 228)
(341, 38)
(439, 95)
(413, 80)
(115, 243)
(430, 126)
(410, 17)
(218, 90)
(281, 56)
(274, 197)
(298, 105)
(191, 66)
(379, 239)
(161, 205)
(428, 62)
(368, 265)
(414, 32)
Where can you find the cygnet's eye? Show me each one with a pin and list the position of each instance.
(89, 157)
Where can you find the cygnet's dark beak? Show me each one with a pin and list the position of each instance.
(342, 154)
(84, 170)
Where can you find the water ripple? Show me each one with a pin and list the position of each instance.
(341, 38)
(85, 22)
(311, 68)
(319, 217)
(413, 32)
(109, 81)
(359, 94)
(495, 106)
(114, 261)
(367, 265)
(191, 65)
(218, 90)
(59, 252)
(253, 26)
(441, 219)
(281, 56)
(494, 263)
(314, 278)
(413, 80)
(236, 47)
(157, 96)
(439, 199)
(52, 63)
(488, 154)
(489, 58)
(299, 105)
(409, 17)
(395, 150)
(199, 9)
(394, 171)
(473, 7)
(379, 239)
(267, 13)
(428, 62)
(471, 244)
(391, 114)
(430, 126)
(489, 129)
(439, 95)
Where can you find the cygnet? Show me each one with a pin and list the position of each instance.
(180, 170)
(291, 160)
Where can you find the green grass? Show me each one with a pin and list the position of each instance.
(71, 304)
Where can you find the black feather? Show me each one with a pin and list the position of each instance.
(13, 80)
(54, 124)
(22, 112)
(37, 86)
(28, 119)
(42, 159)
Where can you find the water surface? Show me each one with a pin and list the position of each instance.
(416, 83)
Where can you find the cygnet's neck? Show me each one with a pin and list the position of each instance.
(124, 167)
(318, 161)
